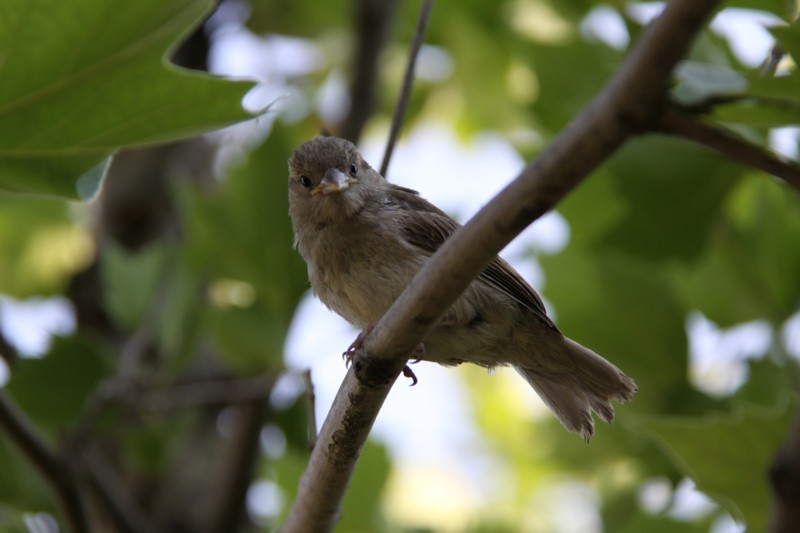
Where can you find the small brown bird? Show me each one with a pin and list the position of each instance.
(364, 238)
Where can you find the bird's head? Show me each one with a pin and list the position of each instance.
(328, 180)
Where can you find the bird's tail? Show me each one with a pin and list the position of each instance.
(587, 383)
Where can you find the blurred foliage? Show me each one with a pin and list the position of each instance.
(702, 448)
(664, 229)
(242, 238)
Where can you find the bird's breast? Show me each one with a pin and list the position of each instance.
(358, 272)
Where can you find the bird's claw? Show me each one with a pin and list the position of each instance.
(407, 372)
(417, 355)
(350, 353)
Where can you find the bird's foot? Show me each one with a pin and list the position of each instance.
(416, 356)
(348, 354)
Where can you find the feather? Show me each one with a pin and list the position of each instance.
(428, 227)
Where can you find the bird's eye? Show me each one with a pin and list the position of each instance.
(353, 169)
(305, 181)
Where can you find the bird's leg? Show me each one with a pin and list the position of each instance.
(348, 354)
(416, 356)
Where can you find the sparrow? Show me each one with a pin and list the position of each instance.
(364, 238)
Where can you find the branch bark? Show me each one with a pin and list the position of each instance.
(57, 473)
(674, 121)
(784, 475)
(629, 104)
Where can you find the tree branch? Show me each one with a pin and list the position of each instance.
(222, 392)
(408, 80)
(110, 491)
(784, 475)
(629, 104)
(372, 21)
(243, 454)
(675, 121)
(67, 491)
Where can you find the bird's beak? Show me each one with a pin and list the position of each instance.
(333, 181)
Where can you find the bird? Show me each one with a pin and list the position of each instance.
(363, 238)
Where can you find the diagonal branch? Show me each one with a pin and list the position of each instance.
(109, 490)
(20, 431)
(675, 121)
(629, 104)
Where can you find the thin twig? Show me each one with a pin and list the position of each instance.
(222, 392)
(628, 105)
(674, 121)
(57, 473)
(408, 81)
(312, 409)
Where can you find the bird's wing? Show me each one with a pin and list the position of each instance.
(427, 227)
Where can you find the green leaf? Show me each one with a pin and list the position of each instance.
(69, 177)
(624, 310)
(776, 88)
(616, 303)
(242, 236)
(628, 517)
(53, 390)
(179, 325)
(21, 487)
(777, 99)
(748, 271)
(361, 507)
(766, 114)
(580, 66)
(728, 456)
(699, 81)
(767, 381)
(673, 192)
(92, 77)
(131, 280)
(40, 246)
(789, 37)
